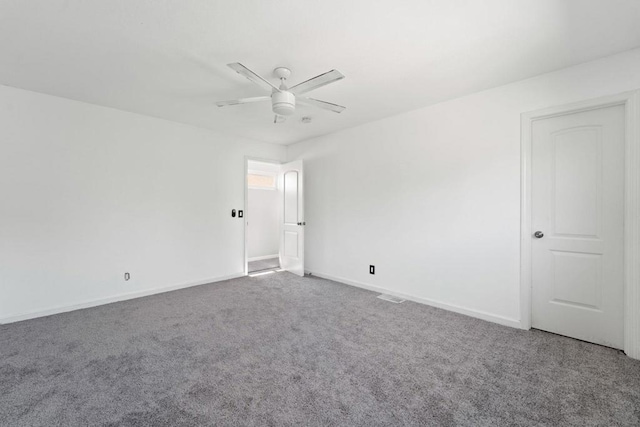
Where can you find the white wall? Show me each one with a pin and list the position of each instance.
(432, 197)
(88, 193)
(262, 216)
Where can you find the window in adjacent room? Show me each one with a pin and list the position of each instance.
(263, 182)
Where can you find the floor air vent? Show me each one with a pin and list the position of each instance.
(391, 298)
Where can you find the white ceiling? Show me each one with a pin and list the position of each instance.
(167, 58)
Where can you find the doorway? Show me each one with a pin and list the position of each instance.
(262, 217)
(580, 219)
(274, 217)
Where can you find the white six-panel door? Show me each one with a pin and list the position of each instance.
(578, 214)
(292, 218)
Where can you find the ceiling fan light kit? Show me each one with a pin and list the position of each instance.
(283, 103)
(283, 98)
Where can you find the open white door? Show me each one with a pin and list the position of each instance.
(292, 218)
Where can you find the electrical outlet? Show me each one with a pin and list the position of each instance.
(127, 276)
(372, 269)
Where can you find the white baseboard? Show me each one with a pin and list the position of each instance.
(116, 298)
(122, 297)
(506, 321)
(260, 258)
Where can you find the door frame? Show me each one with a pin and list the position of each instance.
(247, 159)
(631, 102)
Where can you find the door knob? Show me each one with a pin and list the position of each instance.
(538, 234)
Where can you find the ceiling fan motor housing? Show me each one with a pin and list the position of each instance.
(283, 103)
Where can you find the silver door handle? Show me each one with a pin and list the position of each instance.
(539, 234)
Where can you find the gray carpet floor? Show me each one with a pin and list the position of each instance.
(264, 264)
(282, 350)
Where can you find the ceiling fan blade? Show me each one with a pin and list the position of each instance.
(321, 104)
(244, 71)
(316, 82)
(243, 101)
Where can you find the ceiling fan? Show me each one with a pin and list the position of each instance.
(283, 99)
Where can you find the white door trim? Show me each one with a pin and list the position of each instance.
(631, 102)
